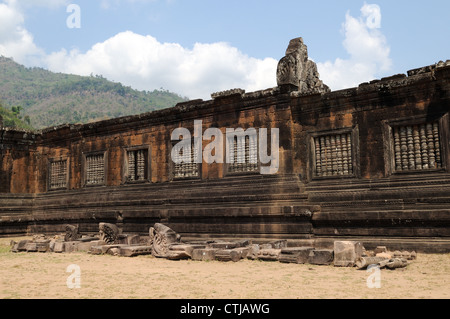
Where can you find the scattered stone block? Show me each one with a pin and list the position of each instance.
(296, 255)
(177, 255)
(269, 254)
(31, 247)
(186, 248)
(346, 253)
(58, 247)
(134, 240)
(114, 251)
(88, 239)
(279, 244)
(106, 248)
(380, 249)
(96, 250)
(244, 243)
(253, 251)
(86, 246)
(384, 255)
(21, 245)
(397, 263)
(364, 262)
(71, 246)
(204, 254)
(224, 245)
(42, 245)
(406, 255)
(132, 251)
(321, 257)
(229, 255)
(14, 246)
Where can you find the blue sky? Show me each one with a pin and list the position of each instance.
(198, 47)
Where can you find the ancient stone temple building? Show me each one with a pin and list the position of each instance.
(369, 163)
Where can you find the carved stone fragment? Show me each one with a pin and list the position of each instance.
(72, 233)
(161, 238)
(206, 254)
(234, 255)
(321, 257)
(108, 233)
(346, 253)
(295, 255)
(131, 251)
(364, 262)
(269, 254)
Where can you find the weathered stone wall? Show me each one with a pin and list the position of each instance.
(362, 196)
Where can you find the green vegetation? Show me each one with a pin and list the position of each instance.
(12, 118)
(50, 99)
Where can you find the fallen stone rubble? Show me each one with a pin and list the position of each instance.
(163, 242)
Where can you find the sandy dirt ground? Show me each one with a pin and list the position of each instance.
(46, 276)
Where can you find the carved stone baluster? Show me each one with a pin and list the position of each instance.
(323, 158)
(397, 149)
(88, 170)
(410, 141)
(333, 155)
(253, 153)
(340, 169)
(131, 166)
(349, 151)
(194, 166)
(417, 152)
(431, 153)
(345, 154)
(424, 147)
(404, 148)
(141, 165)
(318, 158)
(328, 156)
(247, 154)
(437, 144)
(96, 163)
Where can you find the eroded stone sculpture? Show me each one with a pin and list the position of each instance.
(161, 238)
(72, 233)
(297, 70)
(109, 233)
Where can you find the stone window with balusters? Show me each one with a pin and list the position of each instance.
(95, 169)
(137, 165)
(333, 153)
(58, 177)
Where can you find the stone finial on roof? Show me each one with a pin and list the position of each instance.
(297, 70)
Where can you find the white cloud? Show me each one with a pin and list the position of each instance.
(15, 40)
(144, 63)
(37, 3)
(368, 50)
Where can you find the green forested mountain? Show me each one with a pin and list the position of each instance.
(50, 99)
(13, 118)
